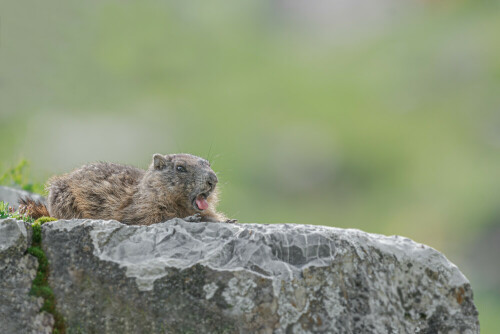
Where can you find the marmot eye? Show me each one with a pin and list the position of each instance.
(181, 169)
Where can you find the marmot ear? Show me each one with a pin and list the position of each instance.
(159, 161)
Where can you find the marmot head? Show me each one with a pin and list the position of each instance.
(186, 180)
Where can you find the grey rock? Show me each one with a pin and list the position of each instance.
(181, 277)
(19, 312)
(12, 195)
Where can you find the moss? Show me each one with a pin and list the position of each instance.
(37, 228)
(43, 220)
(38, 252)
(40, 286)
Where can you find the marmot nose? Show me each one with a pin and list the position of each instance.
(212, 180)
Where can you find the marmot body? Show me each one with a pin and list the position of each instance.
(176, 185)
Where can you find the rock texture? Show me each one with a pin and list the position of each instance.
(180, 277)
(19, 312)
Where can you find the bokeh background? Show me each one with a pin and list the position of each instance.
(379, 115)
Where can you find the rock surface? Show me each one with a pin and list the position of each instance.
(180, 277)
(19, 312)
(11, 196)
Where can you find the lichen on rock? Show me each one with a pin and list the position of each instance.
(19, 310)
(181, 277)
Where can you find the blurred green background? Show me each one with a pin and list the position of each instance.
(378, 115)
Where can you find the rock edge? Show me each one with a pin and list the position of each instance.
(250, 278)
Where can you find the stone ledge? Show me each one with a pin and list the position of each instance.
(248, 278)
(19, 312)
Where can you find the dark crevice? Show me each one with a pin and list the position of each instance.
(40, 286)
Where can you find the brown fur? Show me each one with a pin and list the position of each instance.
(134, 196)
(34, 209)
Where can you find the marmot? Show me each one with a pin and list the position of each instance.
(175, 185)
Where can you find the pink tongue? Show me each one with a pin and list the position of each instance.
(202, 203)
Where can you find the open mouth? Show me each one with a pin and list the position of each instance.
(200, 202)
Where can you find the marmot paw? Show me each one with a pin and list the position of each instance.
(196, 218)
